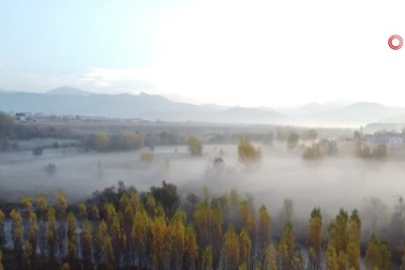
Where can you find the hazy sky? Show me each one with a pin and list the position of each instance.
(251, 53)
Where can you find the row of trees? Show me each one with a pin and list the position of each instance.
(103, 142)
(143, 231)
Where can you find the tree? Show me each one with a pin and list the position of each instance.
(1, 257)
(7, 125)
(247, 153)
(195, 146)
(354, 240)
(287, 247)
(133, 141)
(386, 263)
(87, 244)
(288, 209)
(245, 247)
(292, 140)
(61, 208)
(231, 250)
(166, 195)
(374, 211)
(159, 232)
(373, 253)
(207, 259)
(73, 246)
(331, 258)
(177, 230)
(270, 259)
(191, 247)
(264, 230)
(2, 232)
(51, 238)
(32, 238)
(17, 236)
(102, 142)
(313, 152)
(315, 239)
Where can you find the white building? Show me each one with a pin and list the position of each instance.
(391, 140)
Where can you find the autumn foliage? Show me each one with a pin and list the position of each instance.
(149, 231)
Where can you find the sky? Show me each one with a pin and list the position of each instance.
(229, 52)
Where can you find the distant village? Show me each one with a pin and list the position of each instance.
(25, 117)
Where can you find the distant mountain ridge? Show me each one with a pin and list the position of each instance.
(64, 90)
(73, 101)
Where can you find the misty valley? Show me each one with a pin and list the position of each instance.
(113, 195)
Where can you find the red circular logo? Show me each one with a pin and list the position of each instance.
(395, 37)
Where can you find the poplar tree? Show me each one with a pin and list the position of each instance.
(315, 239)
(245, 248)
(373, 253)
(73, 246)
(207, 259)
(191, 247)
(231, 249)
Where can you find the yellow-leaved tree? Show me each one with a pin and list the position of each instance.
(102, 142)
(195, 146)
(1, 255)
(247, 153)
(315, 239)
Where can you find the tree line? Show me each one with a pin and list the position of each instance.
(126, 229)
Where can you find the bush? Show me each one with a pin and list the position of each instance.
(147, 156)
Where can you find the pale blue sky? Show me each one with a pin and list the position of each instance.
(251, 53)
(55, 37)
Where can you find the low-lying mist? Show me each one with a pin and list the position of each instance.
(331, 183)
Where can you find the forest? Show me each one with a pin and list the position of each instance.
(121, 228)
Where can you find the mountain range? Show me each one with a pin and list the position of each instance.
(73, 101)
